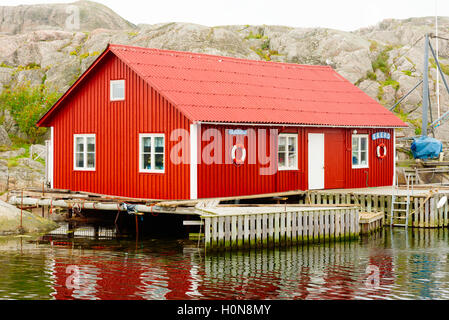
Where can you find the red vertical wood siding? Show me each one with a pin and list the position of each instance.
(217, 180)
(117, 126)
(229, 180)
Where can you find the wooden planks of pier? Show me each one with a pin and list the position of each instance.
(268, 227)
(423, 213)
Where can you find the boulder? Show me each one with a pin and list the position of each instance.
(10, 218)
(38, 150)
(12, 153)
(4, 137)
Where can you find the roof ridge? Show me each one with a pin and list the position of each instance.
(288, 109)
(256, 85)
(228, 59)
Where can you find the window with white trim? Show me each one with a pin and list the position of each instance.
(84, 152)
(360, 151)
(288, 152)
(152, 153)
(117, 90)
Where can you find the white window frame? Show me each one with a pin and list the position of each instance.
(287, 167)
(359, 136)
(153, 154)
(85, 168)
(111, 86)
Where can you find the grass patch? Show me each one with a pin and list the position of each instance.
(381, 62)
(414, 122)
(266, 45)
(373, 46)
(255, 36)
(444, 67)
(407, 73)
(263, 54)
(13, 162)
(391, 82)
(371, 76)
(3, 65)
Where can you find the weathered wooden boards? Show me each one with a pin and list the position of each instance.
(279, 228)
(424, 212)
(371, 222)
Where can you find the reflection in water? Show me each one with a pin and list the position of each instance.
(70, 265)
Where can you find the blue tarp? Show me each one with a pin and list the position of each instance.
(426, 148)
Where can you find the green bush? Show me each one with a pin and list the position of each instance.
(26, 105)
(381, 62)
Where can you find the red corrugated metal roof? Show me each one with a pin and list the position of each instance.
(211, 88)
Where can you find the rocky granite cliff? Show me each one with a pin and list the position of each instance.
(386, 60)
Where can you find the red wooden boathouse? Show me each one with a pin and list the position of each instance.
(118, 129)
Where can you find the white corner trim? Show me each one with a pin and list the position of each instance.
(394, 157)
(51, 156)
(194, 161)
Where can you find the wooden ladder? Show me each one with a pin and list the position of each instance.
(399, 216)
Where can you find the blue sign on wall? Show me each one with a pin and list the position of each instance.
(381, 135)
(238, 132)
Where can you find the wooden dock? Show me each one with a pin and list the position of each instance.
(423, 213)
(268, 220)
(232, 228)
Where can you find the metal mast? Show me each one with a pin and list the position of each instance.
(425, 100)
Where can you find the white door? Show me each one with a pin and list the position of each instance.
(316, 161)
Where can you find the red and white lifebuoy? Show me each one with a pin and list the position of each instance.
(381, 154)
(242, 149)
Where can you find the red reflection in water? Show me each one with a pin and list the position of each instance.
(304, 283)
(108, 280)
(338, 284)
(384, 262)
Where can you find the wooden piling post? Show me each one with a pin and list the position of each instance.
(294, 221)
(432, 223)
(288, 229)
(234, 232)
(270, 230)
(276, 229)
(207, 233)
(264, 230)
(421, 213)
(300, 232)
(282, 229)
(446, 221)
(316, 236)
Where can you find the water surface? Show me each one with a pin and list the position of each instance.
(410, 264)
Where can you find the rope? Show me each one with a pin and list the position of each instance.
(431, 193)
(154, 214)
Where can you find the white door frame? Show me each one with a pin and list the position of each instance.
(316, 161)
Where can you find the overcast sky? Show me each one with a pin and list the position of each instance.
(338, 14)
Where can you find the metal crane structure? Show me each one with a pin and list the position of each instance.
(426, 105)
(426, 98)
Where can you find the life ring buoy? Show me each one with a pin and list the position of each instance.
(234, 154)
(383, 154)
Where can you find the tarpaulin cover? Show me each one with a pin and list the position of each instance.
(426, 148)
